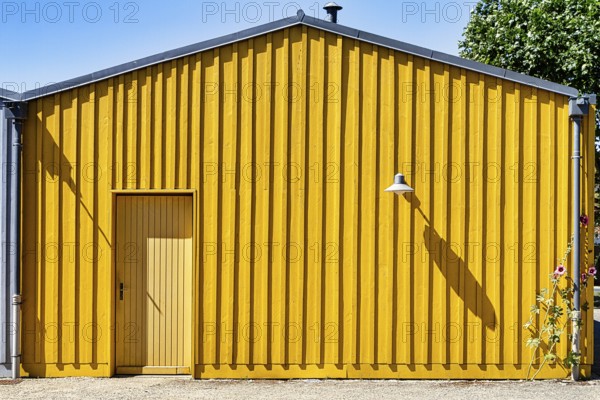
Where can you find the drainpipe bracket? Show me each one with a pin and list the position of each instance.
(16, 300)
(579, 106)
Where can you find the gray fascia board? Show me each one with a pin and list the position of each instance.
(395, 44)
(301, 18)
(441, 57)
(469, 64)
(6, 94)
(540, 83)
(330, 27)
(160, 58)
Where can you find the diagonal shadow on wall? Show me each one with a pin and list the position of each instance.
(453, 267)
(49, 177)
(456, 271)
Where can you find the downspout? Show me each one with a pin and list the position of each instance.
(16, 113)
(578, 107)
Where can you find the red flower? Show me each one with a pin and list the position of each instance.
(591, 271)
(560, 271)
(584, 220)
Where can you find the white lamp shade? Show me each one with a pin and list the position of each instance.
(399, 185)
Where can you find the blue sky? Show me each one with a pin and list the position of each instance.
(50, 41)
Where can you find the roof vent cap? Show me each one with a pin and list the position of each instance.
(332, 11)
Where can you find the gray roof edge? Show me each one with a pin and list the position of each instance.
(163, 57)
(300, 18)
(9, 95)
(441, 57)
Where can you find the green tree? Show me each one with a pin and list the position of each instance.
(557, 40)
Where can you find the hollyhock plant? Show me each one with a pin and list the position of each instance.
(553, 312)
(560, 271)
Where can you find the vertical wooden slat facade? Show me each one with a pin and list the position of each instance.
(303, 266)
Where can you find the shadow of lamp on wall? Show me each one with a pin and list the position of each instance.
(452, 265)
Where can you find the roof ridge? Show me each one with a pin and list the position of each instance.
(299, 19)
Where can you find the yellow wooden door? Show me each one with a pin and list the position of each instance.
(154, 284)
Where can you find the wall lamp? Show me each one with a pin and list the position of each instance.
(399, 185)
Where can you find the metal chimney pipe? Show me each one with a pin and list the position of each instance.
(332, 11)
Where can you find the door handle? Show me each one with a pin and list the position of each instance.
(121, 290)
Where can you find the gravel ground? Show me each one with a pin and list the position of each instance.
(152, 387)
(178, 388)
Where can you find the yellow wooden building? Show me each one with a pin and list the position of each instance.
(219, 210)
